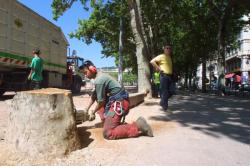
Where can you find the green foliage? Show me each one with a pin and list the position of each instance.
(227, 15)
(60, 6)
(128, 77)
(103, 27)
(190, 25)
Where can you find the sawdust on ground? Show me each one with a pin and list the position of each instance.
(95, 149)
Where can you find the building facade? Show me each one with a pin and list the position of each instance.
(238, 61)
(237, 67)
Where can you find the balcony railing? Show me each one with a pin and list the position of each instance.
(238, 54)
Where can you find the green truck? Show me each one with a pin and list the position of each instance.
(22, 30)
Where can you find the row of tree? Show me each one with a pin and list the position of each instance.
(199, 30)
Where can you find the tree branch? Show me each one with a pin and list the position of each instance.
(214, 8)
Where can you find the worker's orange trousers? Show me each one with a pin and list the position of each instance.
(113, 128)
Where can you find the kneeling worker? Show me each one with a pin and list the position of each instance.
(112, 106)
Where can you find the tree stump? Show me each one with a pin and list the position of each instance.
(42, 122)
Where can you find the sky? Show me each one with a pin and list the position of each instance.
(69, 23)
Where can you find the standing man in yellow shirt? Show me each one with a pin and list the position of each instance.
(163, 64)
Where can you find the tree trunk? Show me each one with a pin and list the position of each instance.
(190, 81)
(141, 47)
(222, 16)
(221, 49)
(204, 71)
(42, 124)
(221, 57)
(186, 80)
(120, 71)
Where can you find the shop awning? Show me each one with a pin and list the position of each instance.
(229, 75)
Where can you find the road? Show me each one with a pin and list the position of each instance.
(203, 130)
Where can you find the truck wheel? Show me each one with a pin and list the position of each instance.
(2, 92)
(77, 84)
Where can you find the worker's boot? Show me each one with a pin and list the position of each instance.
(144, 127)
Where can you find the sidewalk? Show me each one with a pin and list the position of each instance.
(203, 130)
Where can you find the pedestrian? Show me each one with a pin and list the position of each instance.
(163, 64)
(112, 106)
(156, 83)
(36, 70)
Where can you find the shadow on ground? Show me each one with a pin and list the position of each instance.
(6, 97)
(84, 134)
(214, 115)
(83, 92)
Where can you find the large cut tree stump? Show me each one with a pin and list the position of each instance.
(42, 122)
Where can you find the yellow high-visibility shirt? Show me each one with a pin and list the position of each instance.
(165, 62)
(156, 78)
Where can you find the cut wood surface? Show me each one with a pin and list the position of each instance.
(42, 123)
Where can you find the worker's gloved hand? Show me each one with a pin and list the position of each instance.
(91, 115)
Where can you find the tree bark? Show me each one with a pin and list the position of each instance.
(120, 66)
(42, 124)
(141, 46)
(222, 17)
(204, 71)
(221, 57)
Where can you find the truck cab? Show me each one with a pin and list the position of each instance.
(75, 78)
(22, 30)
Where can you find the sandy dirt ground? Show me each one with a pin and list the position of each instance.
(203, 130)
